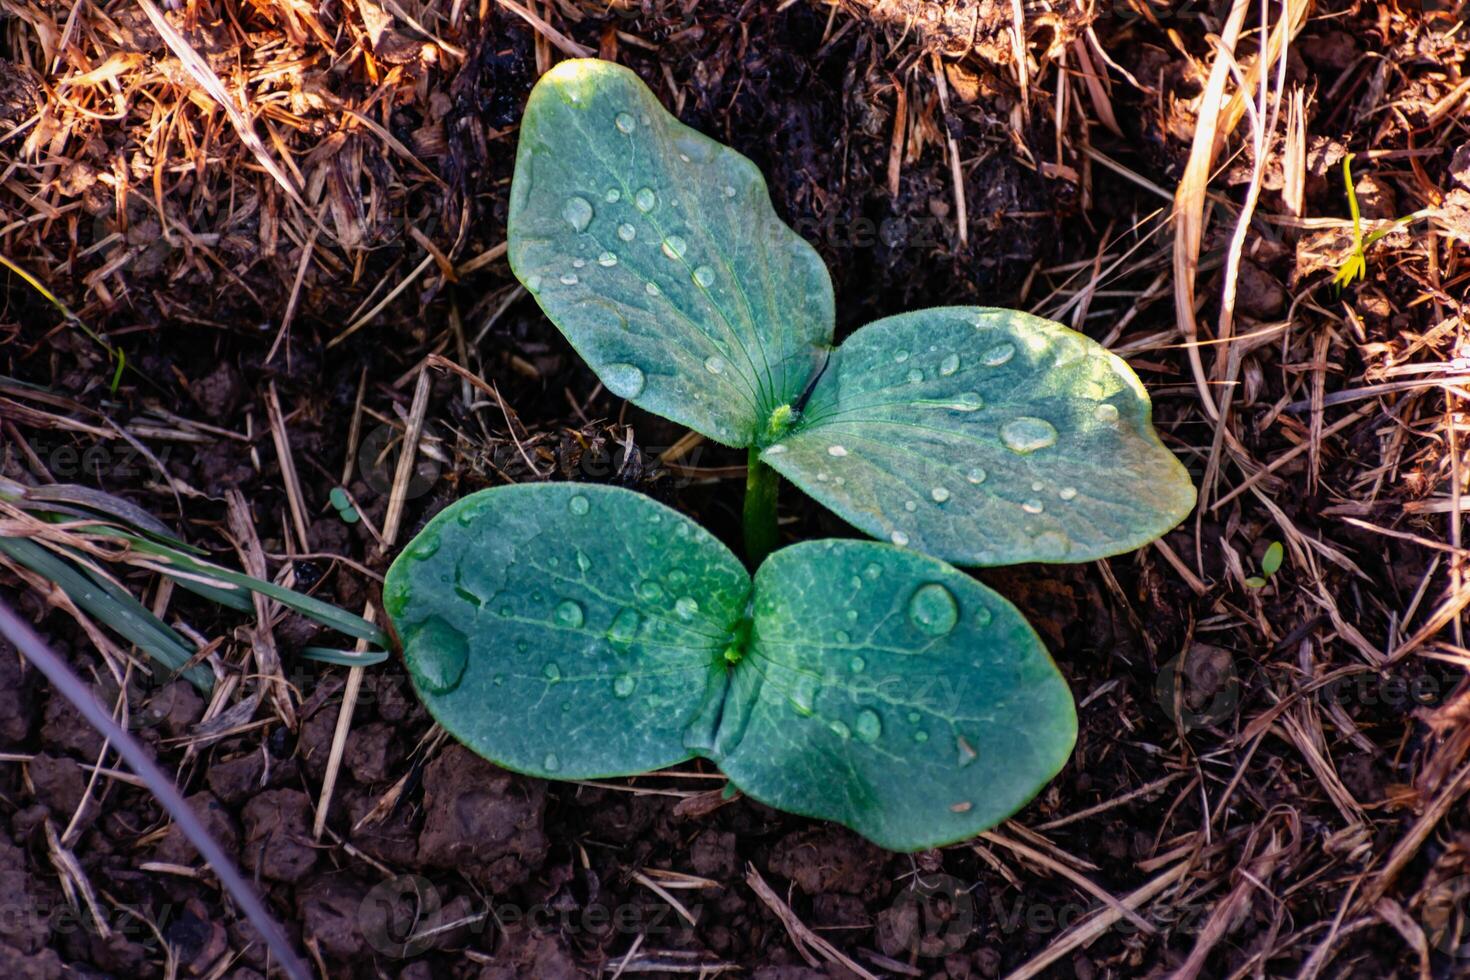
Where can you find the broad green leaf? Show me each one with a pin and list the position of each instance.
(567, 630)
(656, 251)
(889, 692)
(985, 437)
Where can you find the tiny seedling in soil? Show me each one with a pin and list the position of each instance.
(572, 631)
(1270, 563)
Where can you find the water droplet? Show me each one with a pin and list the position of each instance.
(714, 364)
(425, 546)
(976, 475)
(533, 283)
(579, 505)
(803, 694)
(868, 725)
(851, 615)
(915, 376)
(675, 247)
(551, 672)
(949, 365)
(872, 572)
(899, 538)
(686, 608)
(551, 763)
(568, 614)
(729, 191)
(704, 276)
(624, 627)
(839, 729)
(775, 450)
(966, 751)
(1026, 434)
(1033, 506)
(940, 494)
(607, 260)
(623, 380)
(921, 736)
(584, 564)
(613, 195)
(650, 591)
(999, 354)
(645, 200)
(910, 505)
(842, 638)
(914, 717)
(651, 288)
(1037, 486)
(438, 653)
(627, 232)
(967, 401)
(822, 476)
(836, 450)
(568, 278)
(983, 616)
(1105, 413)
(1067, 493)
(1051, 544)
(933, 610)
(623, 685)
(901, 356)
(625, 122)
(857, 665)
(577, 212)
(498, 680)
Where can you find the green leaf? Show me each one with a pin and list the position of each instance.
(656, 251)
(985, 437)
(1271, 560)
(893, 694)
(567, 630)
(574, 631)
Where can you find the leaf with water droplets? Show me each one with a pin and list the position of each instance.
(937, 690)
(985, 437)
(683, 261)
(553, 639)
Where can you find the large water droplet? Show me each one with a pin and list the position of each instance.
(868, 726)
(650, 591)
(999, 354)
(899, 538)
(645, 200)
(714, 364)
(623, 685)
(438, 652)
(949, 365)
(579, 505)
(976, 475)
(607, 260)
(625, 122)
(1033, 506)
(624, 627)
(940, 494)
(933, 610)
(675, 247)
(1026, 434)
(568, 613)
(577, 212)
(551, 672)
(651, 288)
(623, 380)
(704, 276)
(1105, 413)
(686, 608)
(627, 232)
(836, 450)
(965, 749)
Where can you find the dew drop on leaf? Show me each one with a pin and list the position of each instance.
(714, 364)
(999, 354)
(729, 191)
(627, 232)
(625, 122)
(1026, 434)
(967, 401)
(651, 288)
(551, 763)
(1033, 506)
(872, 572)
(675, 247)
(910, 505)
(857, 665)
(949, 365)
(551, 672)
(840, 730)
(607, 260)
(940, 494)
(624, 627)
(686, 608)
(1067, 493)
(438, 653)
(921, 736)
(899, 538)
(577, 212)
(915, 375)
(568, 279)
(976, 475)
(836, 450)
(933, 610)
(645, 200)
(982, 616)
(705, 276)
(901, 356)
(533, 283)
(579, 505)
(623, 685)
(775, 450)
(425, 546)
(868, 726)
(650, 591)
(584, 564)
(914, 717)
(623, 380)
(1105, 413)
(568, 613)
(613, 195)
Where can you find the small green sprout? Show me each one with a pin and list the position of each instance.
(1355, 266)
(1270, 563)
(343, 505)
(572, 631)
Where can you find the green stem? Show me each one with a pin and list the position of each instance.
(762, 484)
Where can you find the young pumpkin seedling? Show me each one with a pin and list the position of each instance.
(980, 436)
(576, 631)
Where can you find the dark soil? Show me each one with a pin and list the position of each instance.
(435, 863)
